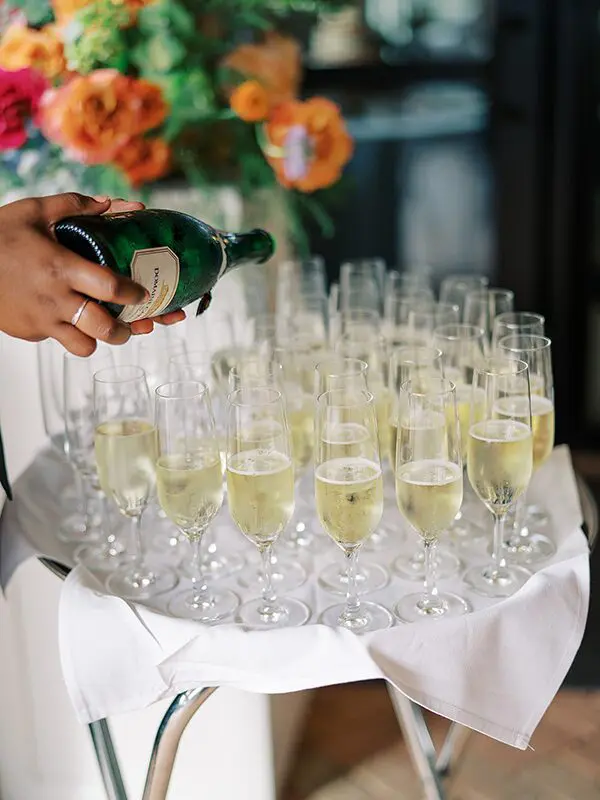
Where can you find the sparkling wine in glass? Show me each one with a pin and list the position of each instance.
(260, 488)
(429, 486)
(126, 452)
(189, 478)
(500, 462)
(349, 498)
(525, 544)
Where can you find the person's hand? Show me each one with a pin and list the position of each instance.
(42, 284)
(142, 325)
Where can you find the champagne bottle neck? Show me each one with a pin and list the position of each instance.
(254, 247)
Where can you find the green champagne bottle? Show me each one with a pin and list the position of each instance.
(176, 257)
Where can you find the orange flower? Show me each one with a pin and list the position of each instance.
(64, 10)
(275, 64)
(94, 116)
(144, 160)
(250, 101)
(41, 50)
(307, 144)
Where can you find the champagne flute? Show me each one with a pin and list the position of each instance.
(286, 574)
(125, 442)
(349, 498)
(429, 484)
(515, 322)
(422, 366)
(362, 282)
(500, 461)
(483, 306)
(50, 374)
(307, 276)
(260, 484)
(418, 280)
(423, 319)
(455, 288)
(189, 478)
(79, 434)
(525, 545)
(347, 374)
(397, 308)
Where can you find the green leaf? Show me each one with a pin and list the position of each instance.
(160, 53)
(37, 12)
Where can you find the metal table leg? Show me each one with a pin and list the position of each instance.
(430, 766)
(171, 728)
(107, 760)
(419, 742)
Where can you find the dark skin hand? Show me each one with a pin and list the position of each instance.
(42, 284)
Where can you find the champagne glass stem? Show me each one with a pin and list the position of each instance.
(199, 584)
(430, 592)
(352, 609)
(268, 593)
(137, 542)
(499, 571)
(519, 518)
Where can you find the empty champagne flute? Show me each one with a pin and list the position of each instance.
(429, 485)
(349, 498)
(406, 283)
(500, 462)
(514, 322)
(525, 544)
(455, 288)
(362, 283)
(126, 450)
(189, 479)
(483, 306)
(424, 318)
(79, 434)
(260, 484)
(395, 327)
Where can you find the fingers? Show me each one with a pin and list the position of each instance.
(172, 318)
(118, 205)
(142, 326)
(70, 204)
(100, 283)
(74, 340)
(98, 324)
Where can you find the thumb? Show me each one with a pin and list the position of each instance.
(71, 204)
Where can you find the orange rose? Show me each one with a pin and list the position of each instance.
(42, 50)
(64, 10)
(94, 116)
(250, 101)
(144, 160)
(307, 144)
(275, 64)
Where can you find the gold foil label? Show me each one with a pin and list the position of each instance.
(157, 270)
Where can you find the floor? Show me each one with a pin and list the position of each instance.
(352, 750)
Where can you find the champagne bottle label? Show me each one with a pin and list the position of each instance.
(157, 270)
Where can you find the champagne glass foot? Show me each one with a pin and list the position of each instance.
(141, 583)
(379, 540)
(467, 535)
(283, 613)
(215, 606)
(286, 576)
(219, 566)
(369, 578)
(531, 549)
(104, 557)
(412, 567)
(492, 581)
(370, 617)
(415, 607)
(536, 516)
(73, 529)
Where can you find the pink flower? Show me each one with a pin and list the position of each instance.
(20, 95)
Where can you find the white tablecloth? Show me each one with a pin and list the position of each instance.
(495, 670)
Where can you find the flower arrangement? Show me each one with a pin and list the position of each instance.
(113, 95)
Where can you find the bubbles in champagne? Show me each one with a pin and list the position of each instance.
(126, 453)
(349, 496)
(542, 421)
(429, 495)
(260, 493)
(190, 489)
(500, 461)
